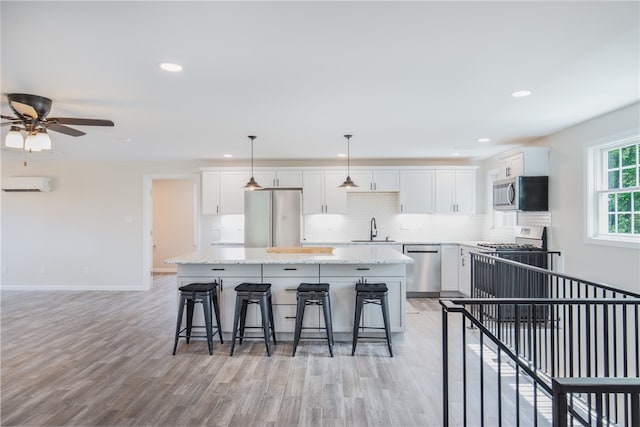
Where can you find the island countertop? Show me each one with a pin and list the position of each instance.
(239, 255)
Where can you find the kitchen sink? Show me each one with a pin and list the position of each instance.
(374, 241)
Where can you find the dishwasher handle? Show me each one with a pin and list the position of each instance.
(421, 252)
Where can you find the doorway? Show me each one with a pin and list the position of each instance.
(173, 221)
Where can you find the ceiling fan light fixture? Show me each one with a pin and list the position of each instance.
(14, 138)
(31, 142)
(252, 184)
(348, 183)
(42, 140)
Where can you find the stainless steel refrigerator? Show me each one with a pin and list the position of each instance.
(272, 218)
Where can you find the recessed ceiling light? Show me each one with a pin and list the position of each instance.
(227, 155)
(168, 66)
(483, 140)
(455, 153)
(342, 155)
(521, 93)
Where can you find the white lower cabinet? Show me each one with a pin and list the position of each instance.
(464, 271)
(285, 278)
(449, 261)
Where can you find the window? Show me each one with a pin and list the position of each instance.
(615, 198)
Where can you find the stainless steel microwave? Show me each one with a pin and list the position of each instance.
(524, 193)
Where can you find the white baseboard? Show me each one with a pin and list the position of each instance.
(165, 270)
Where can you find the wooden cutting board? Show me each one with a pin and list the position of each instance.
(301, 250)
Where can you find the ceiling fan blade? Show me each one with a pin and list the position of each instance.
(65, 129)
(7, 123)
(80, 122)
(13, 119)
(24, 109)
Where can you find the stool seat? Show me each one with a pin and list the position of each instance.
(313, 287)
(201, 293)
(371, 287)
(253, 287)
(198, 287)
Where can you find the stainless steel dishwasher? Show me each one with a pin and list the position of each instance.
(423, 276)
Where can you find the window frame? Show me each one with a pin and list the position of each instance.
(596, 200)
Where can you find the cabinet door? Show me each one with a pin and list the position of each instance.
(511, 166)
(363, 180)
(232, 192)
(335, 198)
(312, 192)
(445, 186)
(343, 302)
(416, 191)
(465, 190)
(289, 179)
(266, 179)
(516, 165)
(210, 193)
(449, 267)
(386, 180)
(228, 304)
(464, 272)
(372, 313)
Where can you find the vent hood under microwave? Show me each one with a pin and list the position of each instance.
(524, 193)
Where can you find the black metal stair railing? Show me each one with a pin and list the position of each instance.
(557, 327)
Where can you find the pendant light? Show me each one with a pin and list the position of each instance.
(252, 184)
(348, 183)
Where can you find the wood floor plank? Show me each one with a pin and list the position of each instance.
(104, 358)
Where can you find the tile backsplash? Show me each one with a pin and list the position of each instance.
(383, 206)
(361, 207)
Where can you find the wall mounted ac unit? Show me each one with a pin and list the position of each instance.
(26, 184)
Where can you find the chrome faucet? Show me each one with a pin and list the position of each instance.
(373, 230)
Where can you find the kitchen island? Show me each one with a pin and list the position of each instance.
(342, 269)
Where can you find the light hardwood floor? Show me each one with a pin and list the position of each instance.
(104, 358)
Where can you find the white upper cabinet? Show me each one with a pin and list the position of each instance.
(289, 179)
(455, 191)
(320, 192)
(417, 191)
(532, 161)
(210, 193)
(375, 180)
(279, 178)
(232, 191)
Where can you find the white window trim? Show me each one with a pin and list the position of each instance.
(592, 176)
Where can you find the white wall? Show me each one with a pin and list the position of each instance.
(619, 267)
(86, 233)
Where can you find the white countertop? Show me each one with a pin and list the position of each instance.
(364, 254)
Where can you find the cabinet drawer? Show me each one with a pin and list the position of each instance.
(285, 294)
(362, 270)
(220, 270)
(291, 270)
(284, 317)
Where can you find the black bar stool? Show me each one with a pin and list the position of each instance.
(371, 293)
(313, 294)
(206, 294)
(253, 293)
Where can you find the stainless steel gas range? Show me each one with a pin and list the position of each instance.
(502, 280)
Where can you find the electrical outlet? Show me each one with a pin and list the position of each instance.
(85, 270)
(5, 269)
(42, 269)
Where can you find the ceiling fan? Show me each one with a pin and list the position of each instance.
(31, 118)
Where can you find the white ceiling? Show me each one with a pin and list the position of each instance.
(408, 80)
